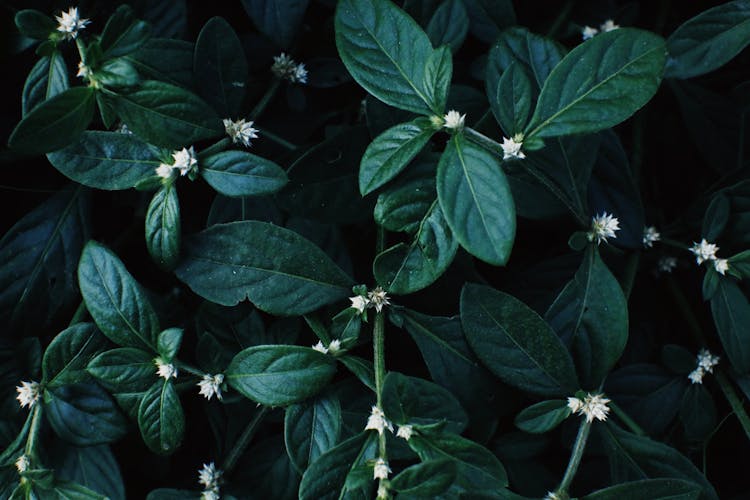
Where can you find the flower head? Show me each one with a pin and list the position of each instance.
(164, 171)
(405, 431)
(588, 33)
(381, 469)
(704, 251)
(512, 147)
(574, 404)
(594, 406)
(696, 376)
(454, 121)
(22, 464)
(602, 227)
(382, 491)
(707, 361)
(334, 346)
(83, 70)
(284, 67)
(378, 299)
(359, 303)
(551, 495)
(185, 161)
(28, 394)
(165, 370)
(210, 495)
(69, 23)
(666, 264)
(209, 477)
(650, 236)
(240, 131)
(320, 347)
(377, 421)
(721, 266)
(608, 25)
(210, 386)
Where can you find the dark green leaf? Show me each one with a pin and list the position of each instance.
(123, 33)
(276, 375)
(172, 494)
(449, 25)
(542, 417)
(163, 227)
(94, 467)
(476, 201)
(115, 300)
(124, 370)
(489, 17)
(403, 205)
(66, 357)
(361, 368)
(311, 428)
(161, 419)
(278, 270)
(118, 74)
(510, 95)
(277, 19)
(438, 73)
(236, 173)
(716, 217)
(653, 489)
(427, 479)
(698, 413)
(66, 490)
(35, 24)
(517, 45)
(268, 472)
(731, 313)
(165, 59)
(47, 78)
(54, 123)
(169, 342)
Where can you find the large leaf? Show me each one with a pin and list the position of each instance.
(115, 300)
(106, 160)
(515, 343)
(489, 17)
(124, 370)
(39, 253)
(277, 19)
(169, 116)
(311, 428)
(653, 489)
(476, 201)
(220, 67)
(731, 313)
(163, 227)
(123, 33)
(94, 467)
(510, 96)
(47, 78)
(449, 25)
(709, 40)
(599, 83)
(161, 419)
(278, 270)
(66, 357)
(403, 205)
(591, 317)
(428, 479)
(165, 59)
(237, 173)
(386, 52)
(54, 123)
(278, 375)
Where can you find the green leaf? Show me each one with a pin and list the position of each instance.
(220, 67)
(47, 78)
(653, 489)
(449, 25)
(489, 17)
(54, 123)
(66, 490)
(237, 173)
(599, 84)
(698, 413)
(172, 494)
(169, 343)
(117, 74)
(391, 152)
(94, 467)
(515, 343)
(66, 357)
(161, 419)
(510, 94)
(403, 205)
(415, 401)
(124, 370)
(115, 300)
(277, 19)
(542, 417)
(163, 227)
(426, 479)
(708, 40)
(731, 312)
(437, 74)
(35, 24)
(361, 368)
(84, 414)
(311, 428)
(165, 59)
(167, 116)
(278, 375)
(591, 317)
(279, 271)
(123, 33)
(386, 52)
(476, 201)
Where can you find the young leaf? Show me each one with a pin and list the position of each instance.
(115, 300)
(66, 356)
(591, 317)
(163, 227)
(449, 25)
(161, 419)
(237, 173)
(510, 96)
(278, 270)
(731, 312)
(599, 84)
(277, 19)
(54, 123)
(277, 375)
(47, 78)
(310, 429)
(123, 33)
(542, 417)
(428, 479)
(169, 343)
(515, 343)
(476, 201)
(708, 40)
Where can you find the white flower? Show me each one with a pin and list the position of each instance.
(609, 25)
(721, 266)
(588, 32)
(454, 120)
(704, 251)
(165, 370)
(707, 361)
(83, 70)
(667, 264)
(650, 236)
(28, 394)
(696, 376)
(551, 495)
(185, 160)
(240, 131)
(164, 171)
(123, 129)
(377, 421)
(512, 147)
(334, 346)
(405, 431)
(320, 347)
(359, 303)
(69, 23)
(210, 386)
(382, 491)
(594, 406)
(378, 299)
(381, 469)
(602, 227)
(22, 464)
(210, 495)
(284, 67)
(209, 477)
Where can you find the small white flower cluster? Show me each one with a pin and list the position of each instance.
(83, 71)
(588, 32)
(210, 386)
(594, 406)
(209, 477)
(666, 264)
(185, 162)
(69, 23)
(165, 370)
(706, 362)
(705, 251)
(28, 393)
(405, 431)
(333, 348)
(381, 469)
(377, 421)
(376, 298)
(240, 131)
(602, 227)
(512, 148)
(454, 121)
(551, 495)
(650, 236)
(285, 68)
(22, 464)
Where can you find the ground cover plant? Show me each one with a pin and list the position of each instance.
(360, 249)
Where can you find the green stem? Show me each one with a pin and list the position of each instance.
(561, 18)
(734, 401)
(631, 269)
(81, 49)
(243, 441)
(187, 368)
(626, 419)
(278, 140)
(265, 100)
(378, 343)
(36, 424)
(79, 315)
(575, 458)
